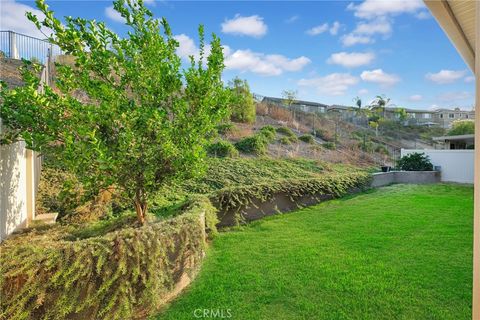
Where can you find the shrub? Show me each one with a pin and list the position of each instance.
(285, 140)
(415, 162)
(307, 138)
(124, 274)
(225, 128)
(222, 149)
(269, 132)
(368, 146)
(322, 134)
(256, 144)
(460, 127)
(329, 145)
(286, 131)
(242, 106)
(279, 113)
(381, 149)
(262, 109)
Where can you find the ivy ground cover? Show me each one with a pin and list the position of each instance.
(401, 252)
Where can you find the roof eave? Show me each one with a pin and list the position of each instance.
(446, 19)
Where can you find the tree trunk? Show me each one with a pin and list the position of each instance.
(140, 209)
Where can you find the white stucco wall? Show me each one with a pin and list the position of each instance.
(13, 188)
(457, 165)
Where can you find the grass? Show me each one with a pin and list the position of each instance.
(401, 252)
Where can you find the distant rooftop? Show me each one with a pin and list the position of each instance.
(455, 138)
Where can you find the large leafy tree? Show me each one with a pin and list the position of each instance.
(125, 114)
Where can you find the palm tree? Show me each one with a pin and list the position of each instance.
(380, 103)
(358, 102)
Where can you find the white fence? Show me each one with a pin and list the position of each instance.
(456, 165)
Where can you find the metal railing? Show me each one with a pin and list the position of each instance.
(20, 46)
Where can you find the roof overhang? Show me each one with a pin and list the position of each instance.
(457, 19)
(455, 138)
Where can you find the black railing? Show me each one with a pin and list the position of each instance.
(20, 46)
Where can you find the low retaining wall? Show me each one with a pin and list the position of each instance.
(258, 209)
(125, 274)
(381, 179)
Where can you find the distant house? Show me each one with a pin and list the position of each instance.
(445, 117)
(305, 106)
(440, 117)
(464, 141)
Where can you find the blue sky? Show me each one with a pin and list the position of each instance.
(330, 51)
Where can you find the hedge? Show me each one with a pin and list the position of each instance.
(123, 274)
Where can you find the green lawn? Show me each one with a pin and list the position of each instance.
(401, 252)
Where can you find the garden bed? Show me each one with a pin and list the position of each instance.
(113, 270)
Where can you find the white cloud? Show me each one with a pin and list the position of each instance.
(245, 60)
(335, 84)
(335, 28)
(415, 98)
(445, 76)
(318, 29)
(469, 79)
(351, 39)
(186, 46)
(332, 29)
(292, 19)
(380, 77)
(351, 60)
(362, 91)
(111, 13)
(423, 15)
(264, 64)
(381, 26)
(249, 26)
(12, 17)
(378, 8)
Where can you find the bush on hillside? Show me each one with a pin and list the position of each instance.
(286, 131)
(322, 134)
(307, 138)
(261, 109)
(285, 140)
(222, 149)
(415, 162)
(242, 106)
(460, 127)
(268, 132)
(329, 145)
(381, 149)
(256, 144)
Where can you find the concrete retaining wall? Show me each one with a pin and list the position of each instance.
(415, 177)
